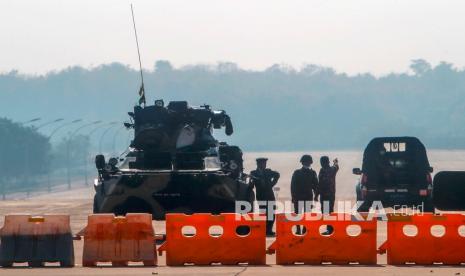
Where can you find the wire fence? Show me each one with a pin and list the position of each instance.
(25, 187)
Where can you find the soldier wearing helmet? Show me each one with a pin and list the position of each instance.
(327, 181)
(304, 186)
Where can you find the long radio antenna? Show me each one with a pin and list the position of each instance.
(142, 89)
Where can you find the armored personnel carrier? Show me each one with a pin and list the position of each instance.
(174, 164)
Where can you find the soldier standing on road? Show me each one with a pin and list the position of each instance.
(304, 186)
(264, 179)
(327, 186)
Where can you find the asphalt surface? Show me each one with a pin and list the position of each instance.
(78, 204)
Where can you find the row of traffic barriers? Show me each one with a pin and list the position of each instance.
(203, 239)
(48, 239)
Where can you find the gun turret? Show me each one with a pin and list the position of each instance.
(177, 126)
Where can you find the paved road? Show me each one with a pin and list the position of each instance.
(78, 203)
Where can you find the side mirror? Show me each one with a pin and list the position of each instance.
(430, 169)
(357, 171)
(131, 114)
(128, 125)
(100, 162)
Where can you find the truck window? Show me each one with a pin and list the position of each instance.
(395, 147)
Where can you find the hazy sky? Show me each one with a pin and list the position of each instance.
(350, 35)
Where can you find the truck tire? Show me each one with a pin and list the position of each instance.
(358, 192)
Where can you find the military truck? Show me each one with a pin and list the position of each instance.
(395, 171)
(173, 164)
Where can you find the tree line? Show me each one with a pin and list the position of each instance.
(27, 157)
(279, 108)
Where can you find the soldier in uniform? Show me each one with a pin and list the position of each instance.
(304, 186)
(327, 186)
(264, 179)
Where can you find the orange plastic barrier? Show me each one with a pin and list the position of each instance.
(438, 239)
(36, 240)
(311, 247)
(214, 239)
(119, 240)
